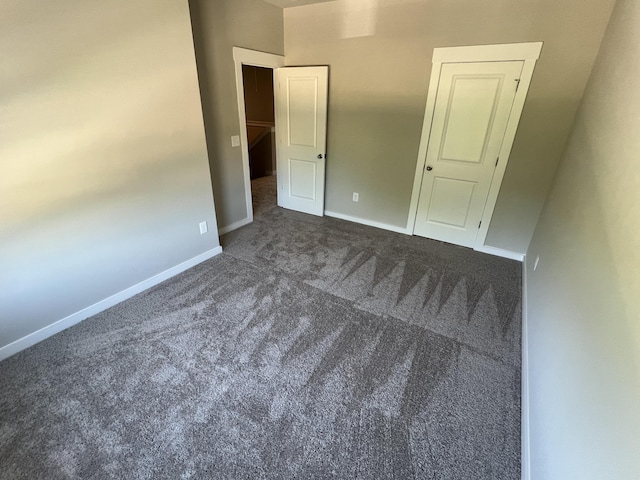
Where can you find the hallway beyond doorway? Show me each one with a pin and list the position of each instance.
(263, 194)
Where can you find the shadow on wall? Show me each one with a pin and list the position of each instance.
(377, 158)
(59, 114)
(209, 91)
(103, 154)
(373, 149)
(218, 27)
(532, 164)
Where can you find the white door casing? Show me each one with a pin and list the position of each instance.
(476, 95)
(301, 95)
(243, 56)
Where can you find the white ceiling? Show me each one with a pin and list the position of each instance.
(294, 3)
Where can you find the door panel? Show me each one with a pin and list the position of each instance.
(451, 201)
(303, 111)
(302, 179)
(301, 122)
(472, 108)
(473, 102)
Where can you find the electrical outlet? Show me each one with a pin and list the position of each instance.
(535, 264)
(235, 140)
(356, 196)
(203, 228)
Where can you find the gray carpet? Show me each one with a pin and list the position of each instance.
(312, 348)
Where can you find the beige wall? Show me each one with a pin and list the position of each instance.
(379, 52)
(584, 297)
(104, 173)
(218, 27)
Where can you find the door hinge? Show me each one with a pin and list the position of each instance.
(517, 84)
(497, 159)
(480, 224)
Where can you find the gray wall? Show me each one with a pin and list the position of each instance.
(379, 54)
(219, 26)
(104, 165)
(583, 299)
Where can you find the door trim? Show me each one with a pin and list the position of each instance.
(527, 52)
(244, 56)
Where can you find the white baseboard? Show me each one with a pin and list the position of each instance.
(524, 405)
(363, 221)
(56, 327)
(235, 226)
(499, 252)
(484, 249)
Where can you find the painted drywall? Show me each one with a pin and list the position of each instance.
(218, 27)
(294, 3)
(104, 173)
(379, 53)
(583, 303)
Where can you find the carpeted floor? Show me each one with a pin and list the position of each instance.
(263, 194)
(311, 348)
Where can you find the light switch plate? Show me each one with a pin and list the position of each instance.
(235, 140)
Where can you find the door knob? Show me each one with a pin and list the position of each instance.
(429, 168)
(320, 155)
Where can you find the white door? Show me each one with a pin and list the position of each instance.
(301, 130)
(471, 113)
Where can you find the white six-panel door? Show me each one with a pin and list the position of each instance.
(301, 126)
(471, 113)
